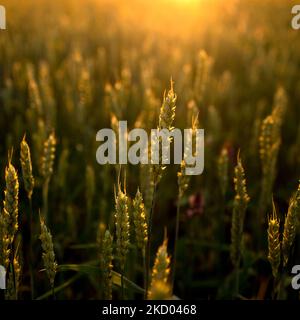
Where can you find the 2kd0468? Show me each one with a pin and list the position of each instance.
(171, 309)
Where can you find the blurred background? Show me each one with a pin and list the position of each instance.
(78, 66)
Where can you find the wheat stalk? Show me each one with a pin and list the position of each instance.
(166, 118)
(25, 159)
(183, 183)
(270, 141)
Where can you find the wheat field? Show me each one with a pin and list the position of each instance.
(73, 229)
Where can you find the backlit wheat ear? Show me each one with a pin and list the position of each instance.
(290, 226)
(25, 158)
(274, 244)
(140, 221)
(48, 156)
(160, 273)
(10, 213)
(223, 171)
(122, 226)
(4, 242)
(106, 264)
(160, 290)
(166, 119)
(161, 269)
(239, 209)
(11, 200)
(167, 110)
(48, 252)
(47, 169)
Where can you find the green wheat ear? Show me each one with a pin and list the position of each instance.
(140, 221)
(48, 252)
(122, 226)
(274, 244)
(48, 156)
